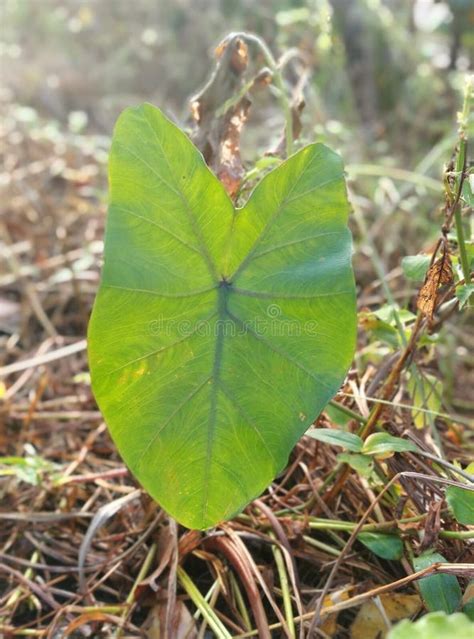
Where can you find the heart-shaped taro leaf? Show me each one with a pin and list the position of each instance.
(217, 335)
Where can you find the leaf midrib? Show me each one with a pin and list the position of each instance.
(221, 312)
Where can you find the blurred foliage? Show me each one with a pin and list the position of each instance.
(381, 63)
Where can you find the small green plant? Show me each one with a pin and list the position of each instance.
(218, 334)
(32, 468)
(435, 625)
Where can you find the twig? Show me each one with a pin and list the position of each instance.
(358, 529)
(28, 287)
(443, 568)
(38, 360)
(279, 84)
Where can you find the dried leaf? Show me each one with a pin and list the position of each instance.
(229, 169)
(240, 56)
(220, 117)
(221, 108)
(183, 624)
(369, 622)
(91, 617)
(297, 105)
(166, 548)
(329, 624)
(100, 518)
(439, 273)
(432, 525)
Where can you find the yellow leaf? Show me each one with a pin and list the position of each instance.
(329, 624)
(369, 622)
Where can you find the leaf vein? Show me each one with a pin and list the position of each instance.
(187, 207)
(165, 295)
(244, 414)
(251, 254)
(181, 405)
(278, 351)
(293, 242)
(162, 228)
(162, 349)
(271, 295)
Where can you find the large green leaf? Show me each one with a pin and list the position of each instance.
(217, 335)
